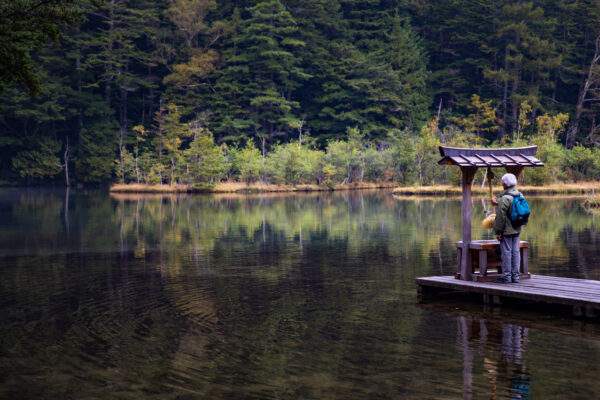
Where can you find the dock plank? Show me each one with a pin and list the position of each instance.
(577, 290)
(538, 295)
(587, 292)
(566, 281)
(581, 290)
(540, 288)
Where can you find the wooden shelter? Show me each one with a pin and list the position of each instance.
(580, 294)
(469, 160)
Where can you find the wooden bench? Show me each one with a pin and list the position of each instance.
(485, 254)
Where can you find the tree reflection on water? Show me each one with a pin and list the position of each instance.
(272, 296)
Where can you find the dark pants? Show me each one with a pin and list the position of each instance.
(511, 259)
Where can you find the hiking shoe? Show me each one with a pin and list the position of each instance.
(515, 280)
(502, 280)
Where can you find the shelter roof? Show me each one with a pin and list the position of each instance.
(508, 157)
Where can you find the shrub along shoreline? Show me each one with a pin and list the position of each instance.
(555, 188)
(440, 190)
(240, 187)
(403, 159)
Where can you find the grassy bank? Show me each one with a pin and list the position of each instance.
(440, 190)
(239, 187)
(557, 188)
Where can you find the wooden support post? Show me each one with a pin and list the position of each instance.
(590, 311)
(458, 261)
(516, 171)
(524, 260)
(468, 174)
(585, 311)
(483, 262)
(487, 299)
(425, 293)
(420, 294)
(491, 299)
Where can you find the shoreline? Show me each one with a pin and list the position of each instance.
(584, 188)
(242, 188)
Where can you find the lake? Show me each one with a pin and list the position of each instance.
(276, 296)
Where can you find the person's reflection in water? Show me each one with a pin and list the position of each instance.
(514, 344)
(503, 347)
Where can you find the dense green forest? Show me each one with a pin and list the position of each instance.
(286, 91)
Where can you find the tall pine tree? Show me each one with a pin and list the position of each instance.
(267, 74)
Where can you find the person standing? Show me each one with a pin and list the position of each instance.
(508, 235)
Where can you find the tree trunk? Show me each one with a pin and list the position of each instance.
(108, 85)
(582, 98)
(505, 96)
(137, 168)
(160, 156)
(67, 209)
(362, 168)
(79, 88)
(122, 128)
(349, 171)
(187, 170)
(594, 128)
(66, 163)
(400, 178)
(264, 150)
(515, 87)
(172, 169)
(160, 165)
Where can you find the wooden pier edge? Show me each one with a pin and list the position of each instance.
(580, 294)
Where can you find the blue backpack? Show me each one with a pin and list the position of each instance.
(519, 212)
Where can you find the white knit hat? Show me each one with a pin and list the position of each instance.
(509, 180)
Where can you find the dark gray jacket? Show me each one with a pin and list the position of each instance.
(502, 224)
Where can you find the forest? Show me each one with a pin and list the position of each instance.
(329, 92)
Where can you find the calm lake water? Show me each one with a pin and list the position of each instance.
(307, 296)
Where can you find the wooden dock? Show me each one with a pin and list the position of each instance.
(581, 294)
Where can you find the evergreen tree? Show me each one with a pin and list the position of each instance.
(41, 162)
(187, 83)
(457, 39)
(229, 108)
(204, 160)
(378, 90)
(41, 124)
(117, 50)
(171, 134)
(267, 74)
(321, 27)
(26, 25)
(368, 23)
(409, 64)
(528, 55)
(581, 66)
